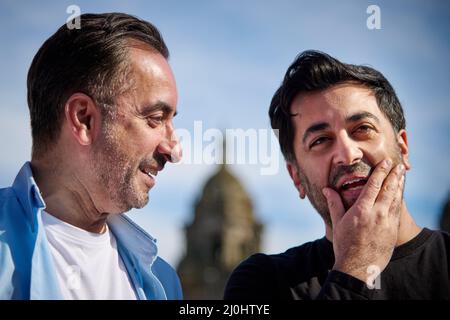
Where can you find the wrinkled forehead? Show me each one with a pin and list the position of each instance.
(334, 104)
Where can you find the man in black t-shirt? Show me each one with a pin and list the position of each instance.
(342, 132)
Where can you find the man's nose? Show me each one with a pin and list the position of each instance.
(170, 147)
(347, 151)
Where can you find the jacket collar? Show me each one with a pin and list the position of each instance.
(28, 193)
(139, 251)
(139, 243)
(129, 233)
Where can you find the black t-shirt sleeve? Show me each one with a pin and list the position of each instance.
(418, 269)
(342, 286)
(254, 278)
(258, 278)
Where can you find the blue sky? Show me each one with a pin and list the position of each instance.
(228, 58)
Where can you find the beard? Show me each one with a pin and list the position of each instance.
(314, 191)
(116, 173)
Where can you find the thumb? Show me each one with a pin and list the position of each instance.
(335, 205)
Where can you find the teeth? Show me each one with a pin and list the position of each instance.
(152, 173)
(351, 181)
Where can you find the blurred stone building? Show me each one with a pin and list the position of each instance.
(222, 233)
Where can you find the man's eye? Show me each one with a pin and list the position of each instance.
(318, 141)
(363, 129)
(155, 121)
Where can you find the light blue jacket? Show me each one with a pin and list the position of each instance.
(26, 264)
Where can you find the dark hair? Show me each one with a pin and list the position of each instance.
(314, 71)
(90, 60)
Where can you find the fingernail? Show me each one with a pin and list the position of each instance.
(325, 193)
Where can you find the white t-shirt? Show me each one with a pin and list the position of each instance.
(88, 265)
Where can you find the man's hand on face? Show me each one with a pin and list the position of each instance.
(366, 234)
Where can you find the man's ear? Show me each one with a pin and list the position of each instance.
(83, 118)
(293, 172)
(402, 140)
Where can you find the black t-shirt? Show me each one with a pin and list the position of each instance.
(418, 269)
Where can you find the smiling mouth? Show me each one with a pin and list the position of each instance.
(150, 172)
(353, 184)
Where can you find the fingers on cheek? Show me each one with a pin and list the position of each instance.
(387, 193)
(400, 186)
(373, 188)
(392, 183)
(376, 181)
(397, 201)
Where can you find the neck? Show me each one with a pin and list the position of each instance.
(66, 196)
(408, 229)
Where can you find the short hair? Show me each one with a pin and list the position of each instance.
(90, 60)
(315, 71)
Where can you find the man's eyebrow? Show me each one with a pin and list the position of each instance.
(159, 106)
(362, 115)
(314, 128)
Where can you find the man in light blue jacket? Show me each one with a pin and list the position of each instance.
(102, 99)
